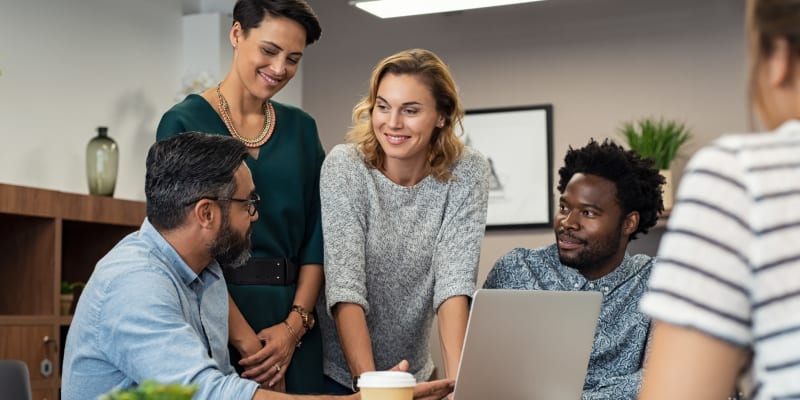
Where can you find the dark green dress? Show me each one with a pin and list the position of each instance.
(286, 175)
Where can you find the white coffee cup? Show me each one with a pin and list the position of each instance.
(386, 385)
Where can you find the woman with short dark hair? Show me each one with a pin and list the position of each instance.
(274, 294)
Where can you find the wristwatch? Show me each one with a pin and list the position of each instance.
(306, 316)
(354, 384)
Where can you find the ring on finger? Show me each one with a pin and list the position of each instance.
(277, 368)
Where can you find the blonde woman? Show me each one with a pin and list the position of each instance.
(403, 213)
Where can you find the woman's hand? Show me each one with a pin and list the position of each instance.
(268, 365)
(280, 385)
(433, 390)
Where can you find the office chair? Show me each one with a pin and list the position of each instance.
(15, 383)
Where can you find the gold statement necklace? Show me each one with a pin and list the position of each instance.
(266, 131)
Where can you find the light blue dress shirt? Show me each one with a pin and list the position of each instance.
(144, 314)
(621, 336)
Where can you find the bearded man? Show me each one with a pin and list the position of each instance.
(608, 196)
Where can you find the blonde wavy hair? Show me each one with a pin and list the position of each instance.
(445, 147)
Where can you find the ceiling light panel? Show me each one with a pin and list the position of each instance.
(402, 8)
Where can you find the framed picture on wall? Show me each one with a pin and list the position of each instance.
(518, 143)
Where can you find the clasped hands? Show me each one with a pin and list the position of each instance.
(266, 360)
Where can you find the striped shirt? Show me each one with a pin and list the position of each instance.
(729, 263)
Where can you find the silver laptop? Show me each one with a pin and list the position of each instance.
(527, 345)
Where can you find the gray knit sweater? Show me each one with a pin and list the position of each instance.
(397, 251)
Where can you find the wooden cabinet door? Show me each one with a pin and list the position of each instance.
(27, 343)
(45, 394)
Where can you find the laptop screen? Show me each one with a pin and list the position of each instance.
(527, 344)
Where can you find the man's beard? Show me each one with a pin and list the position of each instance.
(595, 255)
(229, 248)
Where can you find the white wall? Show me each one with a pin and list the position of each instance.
(70, 66)
(207, 50)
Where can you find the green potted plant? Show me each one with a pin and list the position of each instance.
(151, 390)
(659, 140)
(69, 296)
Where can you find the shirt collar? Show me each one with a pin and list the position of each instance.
(790, 128)
(626, 269)
(629, 267)
(209, 274)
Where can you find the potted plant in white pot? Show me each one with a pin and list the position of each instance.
(659, 140)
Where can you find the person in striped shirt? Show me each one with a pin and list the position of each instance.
(725, 293)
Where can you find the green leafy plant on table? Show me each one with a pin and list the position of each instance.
(151, 390)
(71, 288)
(659, 140)
(66, 287)
(69, 294)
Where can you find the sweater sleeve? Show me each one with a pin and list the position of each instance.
(458, 246)
(344, 226)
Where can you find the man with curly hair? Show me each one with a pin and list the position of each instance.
(608, 196)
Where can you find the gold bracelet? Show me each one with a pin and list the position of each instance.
(294, 335)
(306, 316)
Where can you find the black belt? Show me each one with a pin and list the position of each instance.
(263, 271)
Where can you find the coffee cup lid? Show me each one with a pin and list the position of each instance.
(386, 379)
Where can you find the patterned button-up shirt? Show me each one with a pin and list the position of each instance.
(620, 340)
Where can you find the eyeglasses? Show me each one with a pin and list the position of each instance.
(252, 202)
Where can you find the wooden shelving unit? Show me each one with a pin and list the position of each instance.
(47, 236)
